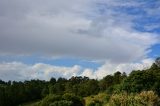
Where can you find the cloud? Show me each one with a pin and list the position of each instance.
(96, 30)
(72, 29)
(110, 68)
(19, 71)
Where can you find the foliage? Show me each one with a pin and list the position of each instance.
(144, 80)
(97, 100)
(145, 98)
(61, 100)
(62, 103)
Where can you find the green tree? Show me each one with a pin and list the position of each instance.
(3, 99)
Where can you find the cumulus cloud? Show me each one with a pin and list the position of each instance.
(72, 29)
(19, 71)
(110, 68)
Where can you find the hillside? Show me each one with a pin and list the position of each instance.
(140, 87)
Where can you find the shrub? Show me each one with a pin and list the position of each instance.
(148, 98)
(97, 100)
(95, 103)
(145, 98)
(76, 101)
(61, 100)
(50, 99)
(62, 103)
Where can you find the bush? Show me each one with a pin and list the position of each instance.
(61, 100)
(75, 99)
(62, 103)
(50, 99)
(119, 100)
(145, 98)
(148, 98)
(95, 103)
(97, 100)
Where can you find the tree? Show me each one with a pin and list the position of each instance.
(2, 82)
(3, 101)
(117, 77)
(52, 81)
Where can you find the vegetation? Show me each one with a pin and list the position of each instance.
(145, 98)
(139, 88)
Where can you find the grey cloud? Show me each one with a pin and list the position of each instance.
(65, 28)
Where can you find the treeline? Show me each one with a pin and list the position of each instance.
(14, 93)
(70, 92)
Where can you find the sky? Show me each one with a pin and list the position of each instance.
(40, 39)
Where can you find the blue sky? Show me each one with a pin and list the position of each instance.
(68, 62)
(43, 39)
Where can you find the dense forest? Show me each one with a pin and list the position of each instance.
(139, 88)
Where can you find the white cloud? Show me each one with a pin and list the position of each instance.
(88, 73)
(20, 71)
(110, 68)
